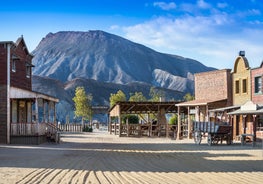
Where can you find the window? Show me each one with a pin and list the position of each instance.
(14, 111)
(260, 123)
(14, 59)
(13, 65)
(237, 86)
(28, 71)
(258, 84)
(244, 85)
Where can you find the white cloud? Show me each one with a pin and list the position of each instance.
(164, 5)
(202, 4)
(114, 27)
(222, 5)
(205, 39)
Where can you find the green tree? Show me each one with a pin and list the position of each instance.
(82, 102)
(188, 97)
(173, 120)
(137, 97)
(132, 119)
(119, 96)
(155, 94)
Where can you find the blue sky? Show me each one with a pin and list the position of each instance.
(212, 32)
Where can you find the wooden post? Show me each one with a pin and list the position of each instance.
(119, 119)
(244, 123)
(254, 129)
(179, 123)
(189, 123)
(127, 127)
(197, 114)
(206, 113)
(55, 116)
(115, 129)
(37, 118)
(109, 124)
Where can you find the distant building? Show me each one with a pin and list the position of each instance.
(212, 90)
(25, 115)
(233, 97)
(241, 80)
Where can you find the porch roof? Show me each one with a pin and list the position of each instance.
(17, 93)
(240, 112)
(142, 107)
(248, 108)
(225, 108)
(200, 102)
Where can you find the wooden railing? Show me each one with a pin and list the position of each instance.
(28, 128)
(143, 130)
(72, 127)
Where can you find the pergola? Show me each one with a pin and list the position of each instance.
(201, 109)
(159, 109)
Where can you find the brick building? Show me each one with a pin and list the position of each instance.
(233, 97)
(25, 115)
(256, 84)
(248, 120)
(212, 90)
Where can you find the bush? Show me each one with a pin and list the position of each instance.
(132, 119)
(173, 120)
(87, 129)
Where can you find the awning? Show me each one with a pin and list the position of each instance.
(200, 102)
(240, 112)
(225, 108)
(17, 93)
(248, 108)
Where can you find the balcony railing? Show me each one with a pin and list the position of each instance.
(29, 128)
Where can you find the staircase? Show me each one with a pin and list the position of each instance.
(52, 133)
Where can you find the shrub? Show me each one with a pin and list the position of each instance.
(87, 129)
(173, 120)
(132, 119)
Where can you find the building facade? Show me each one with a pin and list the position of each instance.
(234, 97)
(25, 115)
(241, 80)
(256, 84)
(212, 90)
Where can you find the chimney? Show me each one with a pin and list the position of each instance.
(242, 53)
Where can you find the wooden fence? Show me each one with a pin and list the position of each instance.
(72, 127)
(139, 130)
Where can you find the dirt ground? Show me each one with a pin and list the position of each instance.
(102, 158)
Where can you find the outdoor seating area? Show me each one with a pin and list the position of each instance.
(139, 130)
(153, 121)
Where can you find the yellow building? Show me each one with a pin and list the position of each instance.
(241, 76)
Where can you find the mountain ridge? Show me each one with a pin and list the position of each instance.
(106, 57)
(104, 63)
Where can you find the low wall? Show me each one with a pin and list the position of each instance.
(28, 139)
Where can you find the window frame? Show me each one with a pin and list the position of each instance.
(257, 87)
(237, 87)
(28, 71)
(244, 86)
(13, 66)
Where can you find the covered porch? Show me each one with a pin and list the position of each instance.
(195, 110)
(152, 115)
(248, 122)
(32, 116)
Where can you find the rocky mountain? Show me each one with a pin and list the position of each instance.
(109, 58)
(104, 63)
